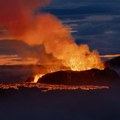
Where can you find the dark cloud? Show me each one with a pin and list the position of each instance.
(77, 3)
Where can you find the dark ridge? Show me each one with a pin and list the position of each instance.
(114, 62)
(89, 77)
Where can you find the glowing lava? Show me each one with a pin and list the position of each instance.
(37, 77)
(46, 87)
(85, 62)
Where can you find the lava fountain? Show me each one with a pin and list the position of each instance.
(37, 77)
(59, 42)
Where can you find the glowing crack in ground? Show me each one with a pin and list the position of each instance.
(49, 87)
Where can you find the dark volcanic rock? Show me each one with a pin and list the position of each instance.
(114, 62)
(89, 77)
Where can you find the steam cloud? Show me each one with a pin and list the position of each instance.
(18, 17)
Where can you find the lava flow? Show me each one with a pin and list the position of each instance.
(37, 77)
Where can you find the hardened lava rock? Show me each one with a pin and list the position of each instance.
(89, 77)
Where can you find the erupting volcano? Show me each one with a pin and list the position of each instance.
(22, 22)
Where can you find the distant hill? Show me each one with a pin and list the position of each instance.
(114, 62)
(89, 77)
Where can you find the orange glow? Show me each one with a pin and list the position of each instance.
(57, 40)
(110, 56)
(46, 87)
(16, 60)
(47, 30)
(37, 77)
(82, 59)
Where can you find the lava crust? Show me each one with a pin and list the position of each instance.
(89, 77)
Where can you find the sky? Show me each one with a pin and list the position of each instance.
(94, 22)
(77, 3)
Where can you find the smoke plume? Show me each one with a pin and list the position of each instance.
(18, 17)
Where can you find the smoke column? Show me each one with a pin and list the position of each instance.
(18, 17)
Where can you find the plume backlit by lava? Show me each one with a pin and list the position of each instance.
(47, 30)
